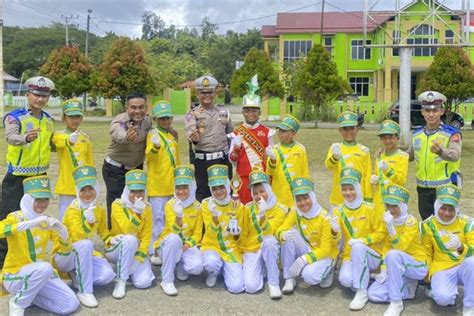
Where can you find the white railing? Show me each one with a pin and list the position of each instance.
(20, 101)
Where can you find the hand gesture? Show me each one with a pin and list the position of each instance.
(155, 139)
(233, 227)
(238, 141)
(73, 137)
(178, 209)
(32, 134)
(132, 134)
(270, 153)
(213, 208)
(89, 215)
(334, 221)
(454, 243)
(336, 151)
(262, 208)
(139, 206)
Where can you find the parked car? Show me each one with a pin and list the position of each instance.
(417, 119)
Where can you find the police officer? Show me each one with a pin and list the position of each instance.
(28, 134)
(207, 126)
(436, 149)
(126, 151)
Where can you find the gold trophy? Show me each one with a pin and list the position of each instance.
(236, 184)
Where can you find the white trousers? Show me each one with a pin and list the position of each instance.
(401, 270)
(36, 284)
(90, 270)
(312, 273)
(356, 272)
(122, 254)
(255, 263)
(233, 272)
(444, 284)
(64, 202)
(158, 208)
(172, 256)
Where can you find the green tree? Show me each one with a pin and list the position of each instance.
(123, 71)
(153, 25)
(317, 83)
(257, 62)
(452, 74)
(70, 71)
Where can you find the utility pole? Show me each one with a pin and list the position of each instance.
(86, 53)
(67, 19)
(322, 23)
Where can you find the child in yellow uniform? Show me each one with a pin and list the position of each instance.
(448, 237)
(84, 219)
(391, 162)
(27, 273)
(260, 248)
(162, 156)
(287, 160)
(404, 256)
(363, 232)
(309, 247)
(349, 153)
(223, 219)
(74, 149)
(178, 243)
(131, 235)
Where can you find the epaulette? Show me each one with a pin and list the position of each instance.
(450, 129)
(411, 221)
(364, 148)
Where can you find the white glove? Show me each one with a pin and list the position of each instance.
(289, 235)
(354, 241)
(374, 179)
(336, 151)
(262, 208)
(388, 219)
(139, 206)
(155, 139)
(56, 225)
(178, 209)
(116, 239)
(383, 165)
(213, 208)
(297, 266)
(73, 137)
(89, 215)
(238, 141)
(134, 266)
(334, 221)
(382, 276)
(39, 221)
(233, 227)
(270, 153)
(453, 243)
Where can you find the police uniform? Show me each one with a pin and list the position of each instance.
(434, 169)
(213, 124)
(25, 159)
(74, 149)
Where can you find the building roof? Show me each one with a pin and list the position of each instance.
(269, 31)
(8, 77)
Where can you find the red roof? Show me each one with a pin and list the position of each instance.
(269, 31)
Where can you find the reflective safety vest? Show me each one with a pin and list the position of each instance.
(432, 170)
(32, 158)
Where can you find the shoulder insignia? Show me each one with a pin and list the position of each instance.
(411, 221)
(456, 138)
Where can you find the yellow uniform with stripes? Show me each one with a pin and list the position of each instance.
(126, 221)
(70, 157)
(291, 162)
(191, 231)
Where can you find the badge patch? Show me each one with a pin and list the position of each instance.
(456, 138)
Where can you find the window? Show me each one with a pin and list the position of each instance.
(360, 85)
(396, 40)
(423, 51)
(449, 37)
(423, 29)
(293, 50)
(329, 44)
(359, 51)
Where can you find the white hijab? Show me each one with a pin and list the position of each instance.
(357, 201)
(271, 199)
(437, 206)
(225, 200)
(26, 206)
(126, 200)
(400, 220)
(83, 205)
(315, 208)
(192, 195)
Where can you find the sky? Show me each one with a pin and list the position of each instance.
(124, 16)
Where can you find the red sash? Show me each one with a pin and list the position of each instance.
(252, 141)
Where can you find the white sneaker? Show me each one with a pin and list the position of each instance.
(411, 285)
(359, 300)
(87, 299)
(155, 260)
(211, 279)
(394, 309)
(181, 275)
(119, 289)
(289, 286)
(327, 281)
(468, 311)
(14, 309)
(275, 291)
(169, 288)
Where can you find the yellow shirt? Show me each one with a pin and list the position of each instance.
(29, 246)
(190, 232)
(434, 237)
(296, 161)
(71, 157)
(356, 156)
(274, 217)
(316, 232)
(216, 237)
(78, 227)
(362, 223)
(396, 173)
(126, 221)
(161, 163)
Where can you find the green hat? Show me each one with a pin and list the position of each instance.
(84, 176)
(289, 123)
(183, 175)
(217, 175)
(301, 186)
(38, 187)
(448, 194)
(395, 194)
(135, 179)
(350, 176)
(72, 107)
(389, 127)
(347, 118)
(162, 109)
(258, 176)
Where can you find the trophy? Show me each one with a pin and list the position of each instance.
(236, 184)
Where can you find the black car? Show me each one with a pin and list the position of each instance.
(417, 119)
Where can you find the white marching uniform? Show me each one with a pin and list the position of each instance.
(232, 271)
(158, 207)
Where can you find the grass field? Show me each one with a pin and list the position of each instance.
(317, 142)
